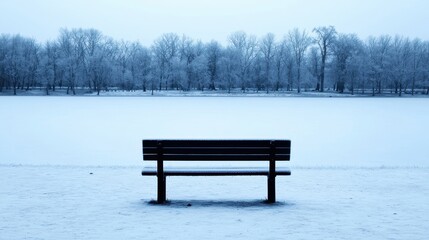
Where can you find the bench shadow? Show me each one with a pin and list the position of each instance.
(219, 203)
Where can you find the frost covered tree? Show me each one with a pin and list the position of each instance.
(345, 48)
(213, 54)
(87, 60)
(49, 66)
(267, 50)
(4, 49)
(20, 62)
(281, 56)
(289, 63)
(417, 56)
(425, 66)
(122, 71)
(325, 38)
(165, 49)
(100, 68)
(379, 52)
(244, 48)
(71, 49)
(93, 60)
(228, 66)
(400, 62)
(313, 62)
(356, 66)
(140, 64)
(299, 41)
(194, 64)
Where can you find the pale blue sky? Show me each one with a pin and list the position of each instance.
(145, 20)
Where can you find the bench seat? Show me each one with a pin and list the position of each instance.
(249, 171)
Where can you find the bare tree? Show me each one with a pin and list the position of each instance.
(356, 65)
(314, 60)
(289, 63)
(4, 49)
(100, 67)
(72, 53)
(245, 49)
(300, 41)
(213, 52)
(378, 50)
(20, 64)
(228, 65)
(187, 54)
(417, 56)
(49, 65)
(400, 61)
(140, 64)
(425, 66)
(281, 54)
(165, 49)
(345, 48)
(325, 37)
(267, 49)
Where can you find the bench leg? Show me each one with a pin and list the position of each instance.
(161, 189)
(271, 189)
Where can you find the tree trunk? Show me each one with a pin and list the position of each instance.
(400, 89)
(299, 79)
(322, 74)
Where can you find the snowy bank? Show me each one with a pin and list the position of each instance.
(113, 203)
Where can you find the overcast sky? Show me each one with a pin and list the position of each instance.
(146, 20)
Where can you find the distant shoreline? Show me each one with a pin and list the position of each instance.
(218, 93)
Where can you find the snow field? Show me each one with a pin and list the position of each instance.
(359, 169)
(57, 202)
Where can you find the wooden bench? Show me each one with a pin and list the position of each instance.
(270, 151)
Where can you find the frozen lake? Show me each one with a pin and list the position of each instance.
(106, 131)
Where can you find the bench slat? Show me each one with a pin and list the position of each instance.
(216, 157)
(216, 143)
(150, 171)
(215, 150)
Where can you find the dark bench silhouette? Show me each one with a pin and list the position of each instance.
(270, 151)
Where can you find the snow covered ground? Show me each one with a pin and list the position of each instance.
(57, 202)
(359, 169)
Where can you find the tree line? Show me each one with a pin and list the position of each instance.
(320, 60)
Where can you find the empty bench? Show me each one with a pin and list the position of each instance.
(270, 151)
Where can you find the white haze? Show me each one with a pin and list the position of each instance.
(204, 19)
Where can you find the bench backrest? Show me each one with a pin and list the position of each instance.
(216, 150)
